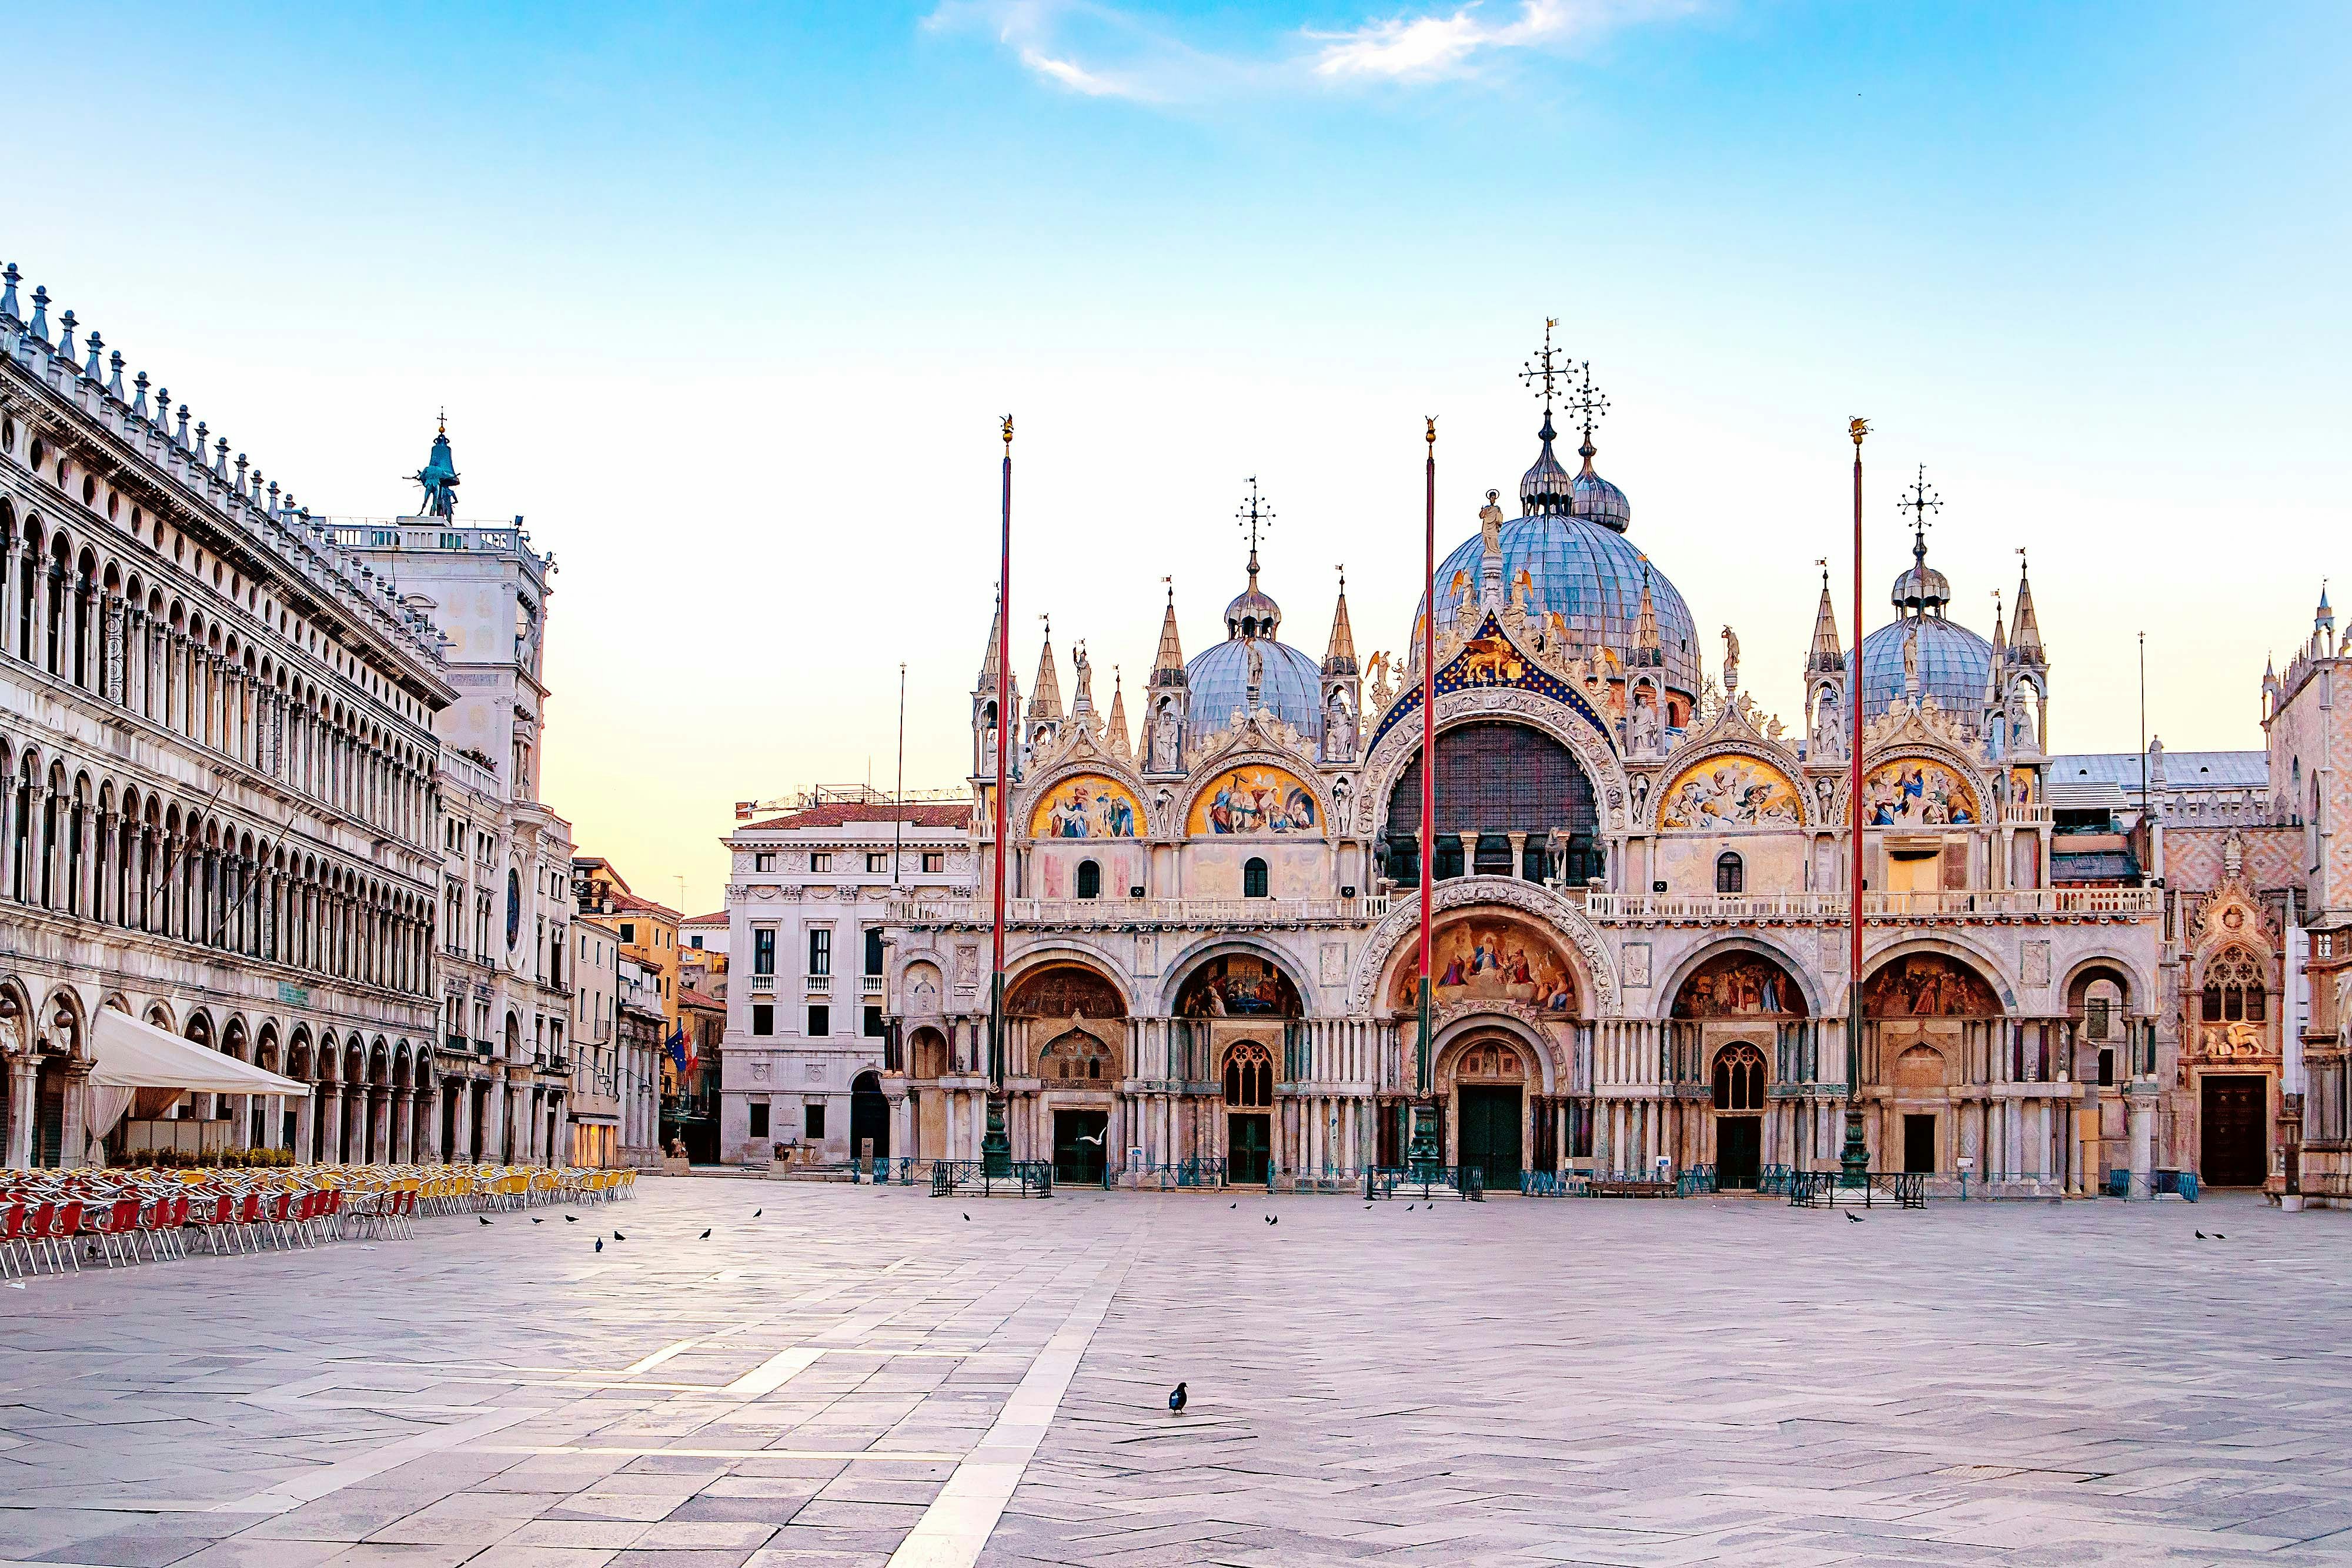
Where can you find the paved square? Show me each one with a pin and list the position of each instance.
(858, 1377)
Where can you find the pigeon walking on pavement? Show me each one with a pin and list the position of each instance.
(1176, 1399)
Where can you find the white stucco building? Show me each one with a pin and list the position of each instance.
(808, 892)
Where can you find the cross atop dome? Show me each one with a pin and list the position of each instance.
(1922, 589)
(1253, 613)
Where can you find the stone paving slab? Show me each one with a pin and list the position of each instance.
(860, 1377)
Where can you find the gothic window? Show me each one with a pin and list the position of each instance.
(1253, 878)
(1249, 1078)
(1730, 874)
(1089, 880)
(2233, 988)
(1740, 1079)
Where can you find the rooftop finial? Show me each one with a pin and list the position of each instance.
(1541, 369)
(39, 325)
(96, 343)
(114, 370)
(1920, 500)
(1253, 514)
(439, 474)
(1591, 405)
(139, 404)
(65, 339)
(8, 306)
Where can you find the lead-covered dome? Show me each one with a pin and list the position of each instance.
(1590, 577)
(1954, 665)
(1289, 682)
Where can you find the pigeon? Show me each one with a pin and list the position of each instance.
(1368, 1206)
(704, 1237)
(2201, 1236)
(1235, 1203)
(1410, 1206)
(483, 1217)
(757, 1212)
(1854, 1219)
(967, 1219)
(618, 1237)
(1176, 1399)
(2219, 1237)
(571, 1219)
(536, 1221)
(1096, 1139)
(600, 1244)
(1274, 1219)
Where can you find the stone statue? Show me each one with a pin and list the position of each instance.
(1256, 665)
(1911, 662)
(1642, 727)
(2020, 720)
(1490, 523)
(1163, 738)
(1730, 659)
(1641, 788)
(1338, 730)
(1085, 672)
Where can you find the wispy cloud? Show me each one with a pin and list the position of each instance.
(1098, 50)
(1426, 46)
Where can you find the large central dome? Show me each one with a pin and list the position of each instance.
(1289, 681)
(1570, 542)
(1955, 664)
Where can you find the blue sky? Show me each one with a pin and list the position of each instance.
(726, 299)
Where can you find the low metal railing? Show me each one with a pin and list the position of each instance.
(1822, 1189)
(882, 1170)
(1465, 1182)
(2156, 1184)
(1030, 1178)
(1165, 1173)
(1695, 1181)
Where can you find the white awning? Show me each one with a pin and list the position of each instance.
(135, 1055)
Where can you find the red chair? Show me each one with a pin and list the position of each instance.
(12, 1237)
(61, 1234)
(116, 1228)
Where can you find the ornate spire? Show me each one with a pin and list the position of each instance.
(1647, 651)
(1253, 613)
(2026, 631)
(1116, 742)
(1340, 658)
(2324, 618)
(1827, 655)
(1168, 669)
(1045, 699)
(987, 682)
(1923, 588)
(1543, 489)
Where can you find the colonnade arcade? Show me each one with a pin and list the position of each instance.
(91, 622)
(75, 841)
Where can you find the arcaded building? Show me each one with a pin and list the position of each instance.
(1639, 892)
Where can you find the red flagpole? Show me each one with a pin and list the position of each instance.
(1855, 1158)
(1421, 1153)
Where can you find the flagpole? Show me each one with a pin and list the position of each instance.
(898, 803)
(1853, 1160)
(995, 1148)
(1422, 1152)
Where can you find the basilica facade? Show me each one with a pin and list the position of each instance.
(1638, 885)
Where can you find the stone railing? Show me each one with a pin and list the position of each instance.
(1098, 912)
(1801, 908)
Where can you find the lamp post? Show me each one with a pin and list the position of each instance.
(1853, 1160)
(1422, 1153)
(995, 1148)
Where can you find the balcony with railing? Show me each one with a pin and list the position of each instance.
(763, 984)
(1818, 908)
(1125, 911)
(869, 985)
(820, 984)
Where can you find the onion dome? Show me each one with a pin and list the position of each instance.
(1253, 613)
(1588, 575)
(1592, 496)
(1546, 489)
(1253, 670)
(1954, 666)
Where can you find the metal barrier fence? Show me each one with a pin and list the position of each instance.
(1031, 1178)
(1465, 1182)
(2156, 1184)
(1695, 1181)
(1195, 1171)
(882, 1170)
(1820, 1189)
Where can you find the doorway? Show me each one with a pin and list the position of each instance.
(1919, 1145)
(1490, 1133)
(1078, 1139)
(1246, 1148)
(2232, 1146)
(869, 1118)
(1738, 1152)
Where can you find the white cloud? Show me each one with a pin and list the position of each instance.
(1426, 47)
(1098, 50)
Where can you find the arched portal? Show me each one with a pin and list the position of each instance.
(1486, 1079)
(1248, 1082)
(1068, 1025)
(1734, 1017)
(1928, 1016)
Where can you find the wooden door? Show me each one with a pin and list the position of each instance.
(2233, 1140)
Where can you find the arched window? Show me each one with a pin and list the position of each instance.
(2233, 990)
(1089, 880)
(1254, 878)
(1740, 1079)
(1730, 874)
(1249, 1078)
